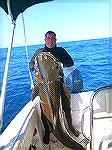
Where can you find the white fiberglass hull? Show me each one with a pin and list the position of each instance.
(19, 133)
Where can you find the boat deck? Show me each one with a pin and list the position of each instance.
(18, 134)
(104, 138)
(54, 144)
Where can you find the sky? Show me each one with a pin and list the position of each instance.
(70, 20)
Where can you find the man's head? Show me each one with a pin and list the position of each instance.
(50, 39)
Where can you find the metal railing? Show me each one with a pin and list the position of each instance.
(101, 117)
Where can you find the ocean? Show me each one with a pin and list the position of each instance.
(92, 57)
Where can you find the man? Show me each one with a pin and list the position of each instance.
(61, 54)
(58, 52)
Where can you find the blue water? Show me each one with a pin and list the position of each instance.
(92, 57)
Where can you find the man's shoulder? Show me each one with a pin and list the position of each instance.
(61, 48)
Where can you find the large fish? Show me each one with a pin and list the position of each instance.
(55, 101)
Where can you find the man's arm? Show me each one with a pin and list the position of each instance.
(66, 59)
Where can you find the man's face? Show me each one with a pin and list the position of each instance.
(50, 40)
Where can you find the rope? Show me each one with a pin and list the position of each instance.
(31, 80)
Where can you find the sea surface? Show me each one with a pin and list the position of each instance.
(92, 57)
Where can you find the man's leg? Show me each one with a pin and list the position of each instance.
(46, 137)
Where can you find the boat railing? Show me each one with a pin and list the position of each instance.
(82, 122)
(101, 118)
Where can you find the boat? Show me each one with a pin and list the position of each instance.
(89, 110)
